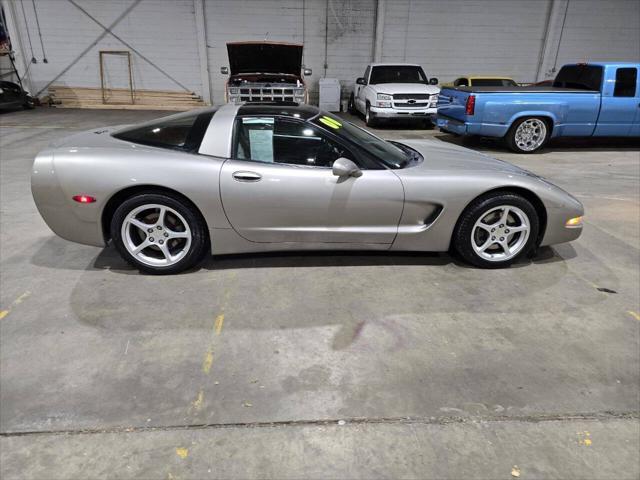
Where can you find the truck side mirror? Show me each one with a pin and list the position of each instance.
(224, 70)
(307, 72)
(361, 81)
(433, 81)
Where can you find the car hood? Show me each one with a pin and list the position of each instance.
(264, 57)
(392, 88)
(441, 156)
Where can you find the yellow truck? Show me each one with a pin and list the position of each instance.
(481, 81)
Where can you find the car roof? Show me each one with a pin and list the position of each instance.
(288, 109)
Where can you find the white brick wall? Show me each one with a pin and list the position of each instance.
(448, 38)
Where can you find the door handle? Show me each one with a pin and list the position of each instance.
(247, 176)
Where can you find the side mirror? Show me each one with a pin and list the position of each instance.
(433, 81)
(224, 70)
(307, 72)
(361, 81)
(343, 167)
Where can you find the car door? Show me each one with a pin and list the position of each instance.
(279, 187)
(620, 102)
(361, 94)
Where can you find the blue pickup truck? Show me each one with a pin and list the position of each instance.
(590, 99)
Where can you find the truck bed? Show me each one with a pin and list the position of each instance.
(530, 89)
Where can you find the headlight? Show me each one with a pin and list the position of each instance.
(574, 222)
(384, 96)
(233, 91)
(298, 92)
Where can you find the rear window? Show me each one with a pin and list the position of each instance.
(580, 77)
(183, 131)
(625, 82)
(494, 82)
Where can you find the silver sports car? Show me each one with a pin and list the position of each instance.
(267, 177)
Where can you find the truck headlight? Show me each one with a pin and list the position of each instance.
(299, 92)
(384, 96)
(233, 91)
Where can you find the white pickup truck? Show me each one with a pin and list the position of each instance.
(395, 91)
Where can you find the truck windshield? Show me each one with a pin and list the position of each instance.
(397, 74)
(580, 77)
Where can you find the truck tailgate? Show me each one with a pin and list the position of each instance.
(452, 103)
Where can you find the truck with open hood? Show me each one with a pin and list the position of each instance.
(265, 72)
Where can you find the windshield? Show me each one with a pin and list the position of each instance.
(390, 155)
(397, 74)
(581, 77)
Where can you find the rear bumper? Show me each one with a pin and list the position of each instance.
(451, 125)
(395, 113)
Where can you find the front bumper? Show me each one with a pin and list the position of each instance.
(406, 113)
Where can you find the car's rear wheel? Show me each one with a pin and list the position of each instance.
(496, 229)
(159, 233)
(528, 135)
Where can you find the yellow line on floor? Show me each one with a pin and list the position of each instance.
(635, 315)
(17, 301)
(218, 323)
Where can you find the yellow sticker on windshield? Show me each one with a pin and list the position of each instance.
(330, 122)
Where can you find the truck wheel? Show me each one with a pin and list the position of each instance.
(528, 135)
(351, 106)
(369, 118)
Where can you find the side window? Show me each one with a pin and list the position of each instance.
(626, 82)
(366, 73)
(280, 140)
(183, 131)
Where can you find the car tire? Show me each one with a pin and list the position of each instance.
(528, 135)
(29, 103)
(174, 243)
(483, 238)
(351, 106)
(369, 118)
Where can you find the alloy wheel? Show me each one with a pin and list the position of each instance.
(156, 235)
(500, 233)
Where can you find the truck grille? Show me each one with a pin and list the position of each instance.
(260, 93)
(414, 100)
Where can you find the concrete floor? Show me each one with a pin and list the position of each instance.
(322, 365)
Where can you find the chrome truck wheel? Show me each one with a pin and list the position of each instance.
(158, 233)
(528, 135)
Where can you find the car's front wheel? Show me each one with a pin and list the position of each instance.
(351, 106)
(369, 117)
(528, 135)
(496, 229)
(159, 233)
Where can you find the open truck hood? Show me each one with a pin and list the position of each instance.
(264, 57)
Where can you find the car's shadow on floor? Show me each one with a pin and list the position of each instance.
(109, 259)
(57, 253)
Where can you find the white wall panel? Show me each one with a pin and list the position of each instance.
(162, 31)
(459, 36)
(594, 30)
(448, 38)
